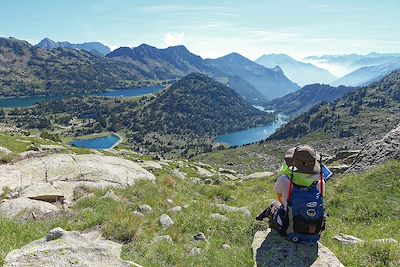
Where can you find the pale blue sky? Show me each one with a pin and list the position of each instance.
(213, 28)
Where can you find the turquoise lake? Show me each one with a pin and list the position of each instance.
(251, 135)
(30, 101)
(98, 143)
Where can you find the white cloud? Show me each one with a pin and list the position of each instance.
(172, 39)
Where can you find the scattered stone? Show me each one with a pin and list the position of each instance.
(152, 165)
(218, 181)
(33, 148)
(170, 201)
(227, 171)
(137, 213)
(178, 174)
(5, 151)
(144, 209)
(208, 181)
(176, 209)
(203, 172)
(258, 175)
(225, 208)
(200, 237)
(186, 206)
(166, 221)
(56, 233)
(218, 217)
(196, 181)
(163, 239)
(52, 148)
(64, 248)
(386, 241)
(194, 252)
(110, 195)
(270, 249)
(230, 176)
(347, 239)
(226, 246)
(25, 208)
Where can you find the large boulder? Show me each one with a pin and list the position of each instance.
(62, 248)
(379, 151)
(270, 249)
(26, 208)
(59, 174)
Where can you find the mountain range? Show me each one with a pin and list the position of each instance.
(358, 117)
(92, 47)
(341, 65)
(303, 99)
(270, 82)
(297, 71)
(366, 75)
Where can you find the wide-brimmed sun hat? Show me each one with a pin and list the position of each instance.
(304, 158)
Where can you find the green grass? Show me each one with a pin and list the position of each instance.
(355, 205)
(368, 207)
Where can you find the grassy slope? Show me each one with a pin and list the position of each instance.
(352, 204)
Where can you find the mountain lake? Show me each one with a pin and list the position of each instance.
(99, 143)
(251, 135)
(30, 101)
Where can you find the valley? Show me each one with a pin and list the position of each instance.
(146, 156)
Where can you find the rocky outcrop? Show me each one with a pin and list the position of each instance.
(347, 239)
(258, 175)
(25, 208)
(378, 152)
(270, 249)
(62, 248)
(59, 174)
(225, 208)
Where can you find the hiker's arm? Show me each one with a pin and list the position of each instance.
(280, 197)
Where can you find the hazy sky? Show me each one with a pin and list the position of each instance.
(213, 28)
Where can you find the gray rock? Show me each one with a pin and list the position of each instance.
(5, 151)
(196, 180)
(208, 181)
(378, 152)
(258, 175)
(339, 168)
(52, 148)
(166, 221)
(151, 165)
(203, 172)
(25, 208)
(63, 248)
(342, 155)
(176, 209)
(194, 251)
(43, 191)
(145, 209)
(170, 201)
(178, 174)
(227, 171)
(163, 239)
(218, 181)
(218, 217)
(347, 239)
(137, 213)
(226, 246)
(270, 249)
(200, 237)
(65, 172)
(385, 241)
(110, 195)
(225, 208)
(56, 233)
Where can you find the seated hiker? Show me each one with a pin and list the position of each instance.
(299, 212)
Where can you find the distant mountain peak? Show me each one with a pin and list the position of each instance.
(95, 47)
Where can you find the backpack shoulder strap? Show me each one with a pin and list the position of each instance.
(321, 179)
(290, 185)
